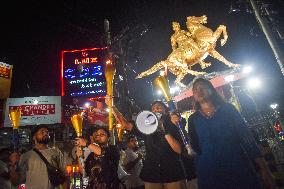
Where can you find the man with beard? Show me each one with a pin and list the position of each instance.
(31, 169)
(102, 162)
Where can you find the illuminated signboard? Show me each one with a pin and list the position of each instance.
(35, 110)
(5, 80)
(82, 73)
(5, 70)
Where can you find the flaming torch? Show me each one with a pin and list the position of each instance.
(15, 116)
(77, 122)
(162, 83)
(109, 74)
(119, 132)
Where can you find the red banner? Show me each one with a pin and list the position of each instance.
(37, 109)
(5, 80)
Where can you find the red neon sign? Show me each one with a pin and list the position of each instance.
(86, 60)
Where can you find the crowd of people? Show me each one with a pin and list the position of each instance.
(225, 156)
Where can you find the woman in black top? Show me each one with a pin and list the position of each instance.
(162, 166)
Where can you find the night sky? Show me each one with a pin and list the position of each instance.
(33, 33)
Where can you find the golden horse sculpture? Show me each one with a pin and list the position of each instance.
(191, 47)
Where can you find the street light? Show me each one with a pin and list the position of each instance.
(87, 104)
(175, 89)
(247, 69)
(254, 83)
(273, 106)
(172, 90)
(159, 92)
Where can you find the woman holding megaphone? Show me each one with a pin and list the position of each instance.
(161, 168)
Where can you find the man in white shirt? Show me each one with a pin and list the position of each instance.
(133, 164)
(31, 169)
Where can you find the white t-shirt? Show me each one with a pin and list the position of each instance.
(133, 180)
(33, 170)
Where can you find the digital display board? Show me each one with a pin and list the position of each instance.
(82, 73)
(5, 80)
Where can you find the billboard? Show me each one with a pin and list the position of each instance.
(94, 112)
(5, 80)
(35, 110)
(82, 73)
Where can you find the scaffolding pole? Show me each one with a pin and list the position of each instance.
(267, 31)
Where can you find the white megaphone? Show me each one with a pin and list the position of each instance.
(147, 122)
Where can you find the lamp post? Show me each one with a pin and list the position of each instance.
(120, 48)
(268, 34)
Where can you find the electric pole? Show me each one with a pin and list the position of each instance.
(269, 36)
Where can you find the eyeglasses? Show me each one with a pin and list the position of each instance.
(133, 140)
(100, 135)
(43, 131)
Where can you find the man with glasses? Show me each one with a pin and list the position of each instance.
(102, 162)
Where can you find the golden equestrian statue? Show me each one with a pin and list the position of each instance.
(191, 47)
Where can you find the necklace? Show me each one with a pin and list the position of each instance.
(209, 113)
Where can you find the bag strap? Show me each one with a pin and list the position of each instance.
(41, 156)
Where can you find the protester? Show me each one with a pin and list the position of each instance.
(102, 163)
(31, 169)
(133, 164)
(227, 150)
(161, 168)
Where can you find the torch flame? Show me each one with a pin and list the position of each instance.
(77, 122)
(15, 116)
